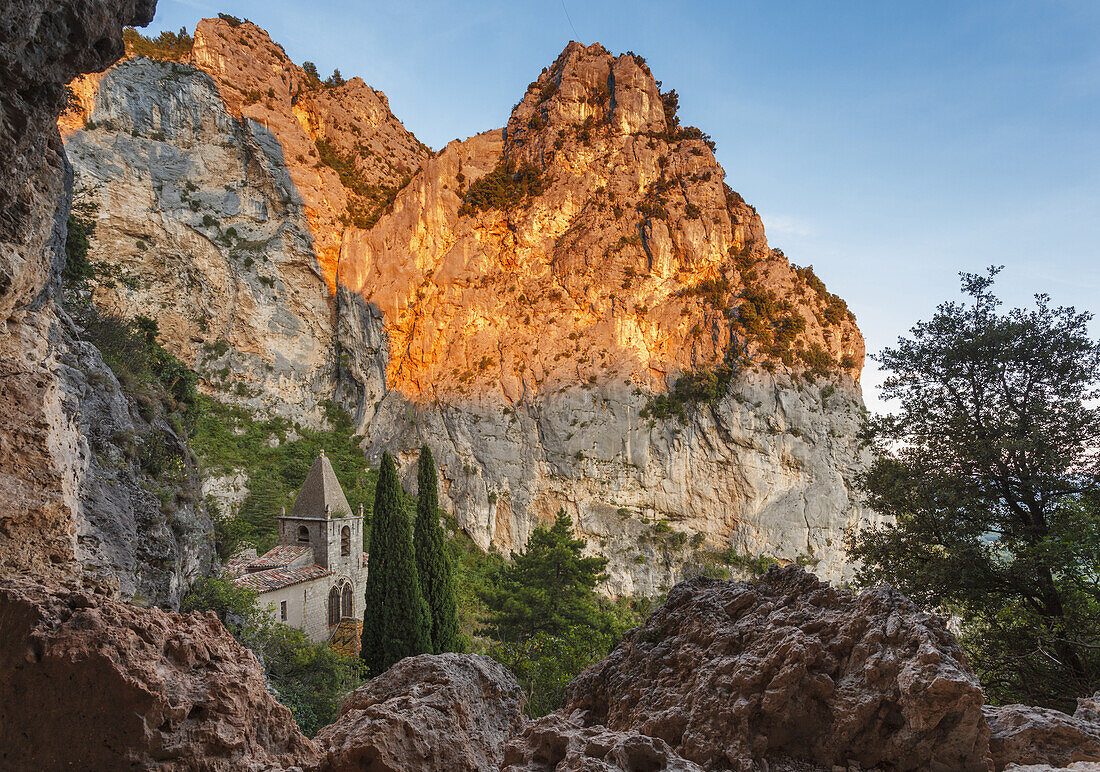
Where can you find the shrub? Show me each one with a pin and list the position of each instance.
(506, 186)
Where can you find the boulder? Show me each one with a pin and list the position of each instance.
(564, 744)
(1026, 735)
(109, 685)
(430, 713)
(731, 673)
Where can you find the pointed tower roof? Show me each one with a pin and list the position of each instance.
(321, 494)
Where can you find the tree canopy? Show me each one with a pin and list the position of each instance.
(989, 470)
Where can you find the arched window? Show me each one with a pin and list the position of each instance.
(333, 607)
(345, 541)
(347, 601)
(303, 535)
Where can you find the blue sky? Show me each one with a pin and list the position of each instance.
(888, 144)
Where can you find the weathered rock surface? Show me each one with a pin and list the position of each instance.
(107, 685)
(1022, 734)
(731, 672)
(564, 744)
(74, 504)
(431, 713)
(522, 343)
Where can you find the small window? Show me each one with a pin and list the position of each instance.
(347, 601)
(345, 541)
(282, 611)
(334, 607)
(303, 535)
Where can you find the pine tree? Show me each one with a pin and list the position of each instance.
(548, 588)
(393, 624)
(433, 563)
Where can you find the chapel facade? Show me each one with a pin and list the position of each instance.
(316, 577)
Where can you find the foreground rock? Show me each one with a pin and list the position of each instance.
(1026, 735)
(564, 744)
(727, 672)
(431, 713)
(111, 686)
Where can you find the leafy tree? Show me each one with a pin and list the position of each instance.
(991, 473)
(310, 69)
(433, 562)
(395, 622)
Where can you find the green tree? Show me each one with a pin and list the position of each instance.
(990, 471)
(549, 587)
(433, 561)
(545, 616)
(395, 623)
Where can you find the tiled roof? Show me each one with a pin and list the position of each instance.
(321, 494)
(276, 557)
(277, 578)
(236, 566)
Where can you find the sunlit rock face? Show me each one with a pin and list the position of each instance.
(521, 340)
(524, 344)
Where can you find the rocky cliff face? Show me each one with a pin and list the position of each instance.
(524, 303)
(76, 503)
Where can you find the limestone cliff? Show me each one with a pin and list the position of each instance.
(77, 503)
(574, 311)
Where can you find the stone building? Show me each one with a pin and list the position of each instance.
(315, 578)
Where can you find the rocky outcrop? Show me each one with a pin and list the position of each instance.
(727, 673)
(522, 336)
(527, 339)
(433, 713)
(69, 509)
(1026, 735)
(564, 744)
(114, 686)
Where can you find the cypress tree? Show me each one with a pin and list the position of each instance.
(432, 561)
(393, 624)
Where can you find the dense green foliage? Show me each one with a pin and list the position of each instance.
(505, 187)
(433, 561)
(544, 617)
(309, 678)
(229, 440)
(396, 616)
(544, 664)
(991, 471)
(168, 46)
(549, 587)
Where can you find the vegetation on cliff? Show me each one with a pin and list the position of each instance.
(167, 46)
(990, 469)
(505, 187)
